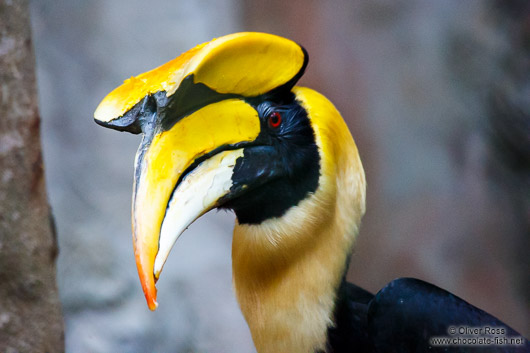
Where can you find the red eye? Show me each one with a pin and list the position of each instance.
(275, 119)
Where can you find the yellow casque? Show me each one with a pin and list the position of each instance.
(251, 63)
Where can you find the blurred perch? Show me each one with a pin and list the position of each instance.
(30, 315)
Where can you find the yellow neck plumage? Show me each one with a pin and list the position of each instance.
(287, 270)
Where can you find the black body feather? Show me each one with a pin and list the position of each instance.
(405, 315)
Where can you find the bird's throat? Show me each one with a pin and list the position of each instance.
(286, 274)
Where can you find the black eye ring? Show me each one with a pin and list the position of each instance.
(275, 120)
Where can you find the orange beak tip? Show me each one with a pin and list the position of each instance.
(150, 297)
(152, 304)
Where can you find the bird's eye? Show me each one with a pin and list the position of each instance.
(275, 120)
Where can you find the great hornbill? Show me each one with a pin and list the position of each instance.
(224, 126)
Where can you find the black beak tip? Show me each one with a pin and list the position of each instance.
(122, 124)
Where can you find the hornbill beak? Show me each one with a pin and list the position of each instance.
(197, 119)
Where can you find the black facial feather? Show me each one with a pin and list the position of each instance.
(283, 167)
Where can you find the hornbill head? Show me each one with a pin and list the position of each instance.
(225, 127)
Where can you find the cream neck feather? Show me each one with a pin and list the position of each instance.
(287, 270)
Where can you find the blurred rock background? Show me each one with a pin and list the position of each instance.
(435, 94)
